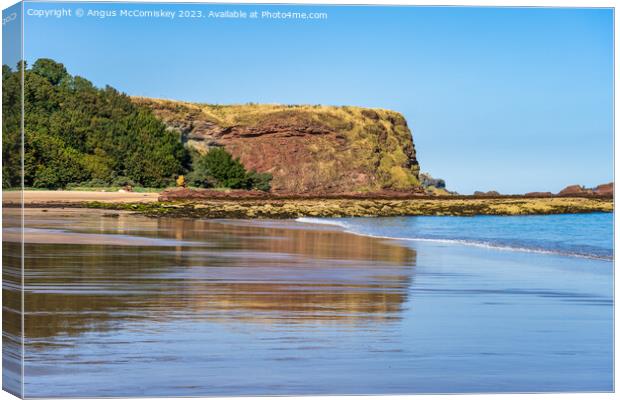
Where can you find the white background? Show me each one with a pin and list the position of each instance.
(549, 3)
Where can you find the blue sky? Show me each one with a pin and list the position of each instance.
(510, 99)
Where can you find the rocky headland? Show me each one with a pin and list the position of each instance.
(309, 150)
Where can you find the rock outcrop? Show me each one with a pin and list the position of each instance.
(606, 189)
(490, 193)
(427, 181)
(538, 194)
(434, 186)
(574, 190)
(308, 149)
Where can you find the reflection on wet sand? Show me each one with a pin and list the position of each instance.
(11, 304)
(166, 307)
(202, 270)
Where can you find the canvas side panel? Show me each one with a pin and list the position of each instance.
(12, 201)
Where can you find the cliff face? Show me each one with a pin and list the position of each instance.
(307, 149)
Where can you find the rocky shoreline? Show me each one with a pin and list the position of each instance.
(295, 208)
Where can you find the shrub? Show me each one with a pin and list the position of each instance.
(260, 180)
(200, 178)
(218, 168)
(123, 181)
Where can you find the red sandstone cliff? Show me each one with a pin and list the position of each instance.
(307, 149)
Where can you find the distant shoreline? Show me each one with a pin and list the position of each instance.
(150, 204)
(153, 195)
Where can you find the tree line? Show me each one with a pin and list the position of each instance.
(76, 134)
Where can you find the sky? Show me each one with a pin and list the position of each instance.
(507, 99)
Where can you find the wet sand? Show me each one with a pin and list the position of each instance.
(282, 307)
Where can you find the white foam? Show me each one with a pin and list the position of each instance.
(319, 221)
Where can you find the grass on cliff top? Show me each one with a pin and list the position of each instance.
(252, 113)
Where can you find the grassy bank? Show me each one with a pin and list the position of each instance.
(270, 208)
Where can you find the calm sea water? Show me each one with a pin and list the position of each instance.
(121, 305)
(585, 235)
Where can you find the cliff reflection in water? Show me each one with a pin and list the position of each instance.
(265, 272)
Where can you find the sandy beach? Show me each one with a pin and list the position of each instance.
(75, 196)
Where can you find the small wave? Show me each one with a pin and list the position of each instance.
(480, 244)
(319, 221)
(494, 246)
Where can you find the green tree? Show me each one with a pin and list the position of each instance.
(11, 128)
(53, 71)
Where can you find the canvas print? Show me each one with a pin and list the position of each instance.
(293, 199)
